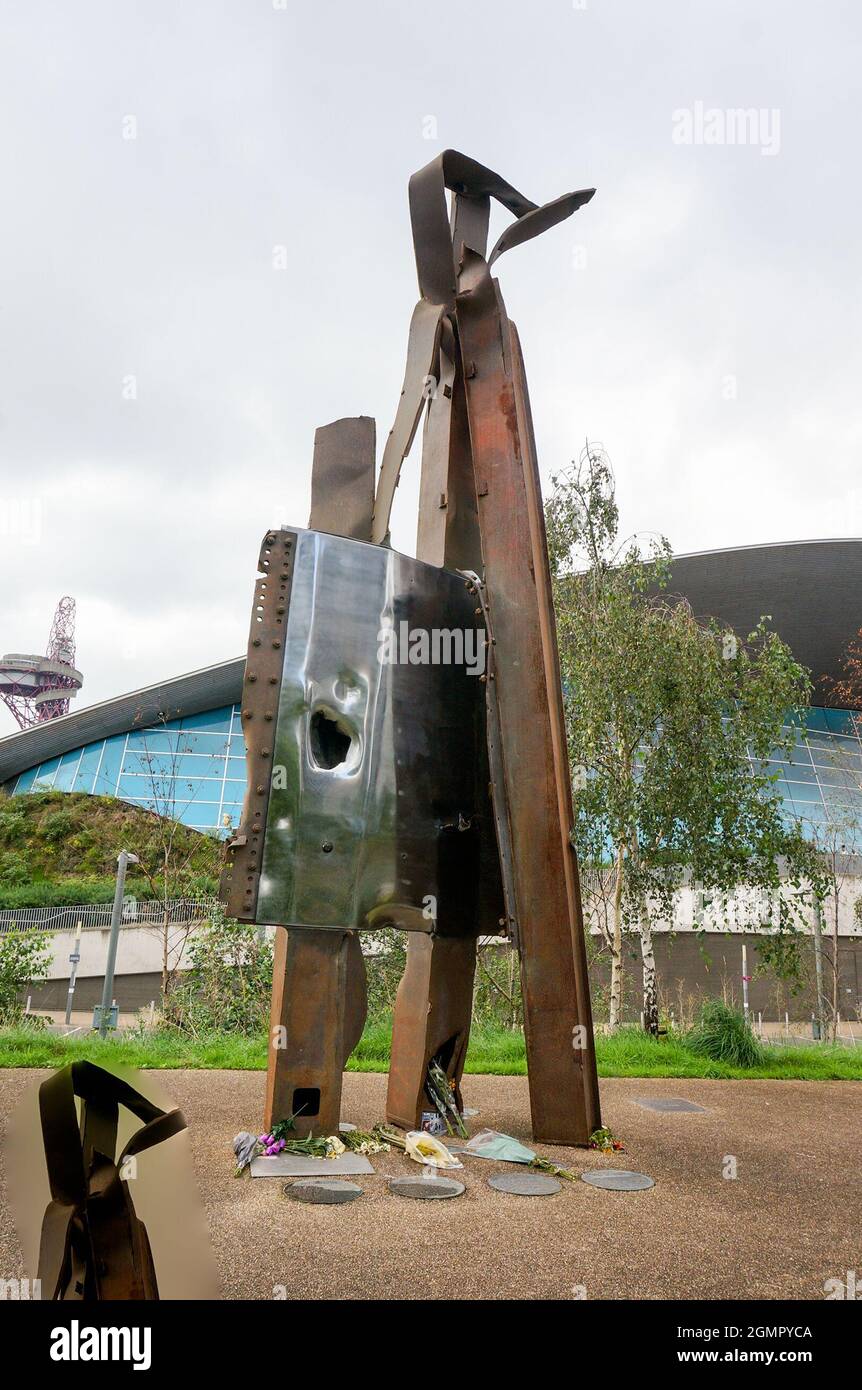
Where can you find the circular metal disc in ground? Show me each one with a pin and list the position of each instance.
(330, 1191)
(525, 1184)
(618, 1179)
(426, 1189)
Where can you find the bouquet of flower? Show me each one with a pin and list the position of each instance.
(604, 1140)
(442, 1094)
(364, 1141)
(390, 1137)
(246, 1146)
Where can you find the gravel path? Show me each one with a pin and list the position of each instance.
(789, 1221)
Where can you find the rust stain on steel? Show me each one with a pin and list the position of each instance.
(342, 477)
(317, 1017)
(563, 1092)
(493, 465)
(342, 502)
(432, 1020)
(481, 510)
(259, 711)
(541, 575)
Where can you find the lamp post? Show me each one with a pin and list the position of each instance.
(74, 960)
(103, 1011)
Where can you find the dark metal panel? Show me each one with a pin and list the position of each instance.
(377, 806)
(342, 477)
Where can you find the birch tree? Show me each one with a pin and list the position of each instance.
(175, 858)
(671, 722)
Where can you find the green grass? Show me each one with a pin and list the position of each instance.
(632, 1053)
(27, 1047)
(492, 1051)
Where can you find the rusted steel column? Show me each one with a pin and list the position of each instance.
(342, 477)
(557, 1021)
(319, 996)
(557, 729)
(318, 1013)
(432, 1019)
(434, 1004)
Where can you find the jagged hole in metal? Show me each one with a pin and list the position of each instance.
(329, 741)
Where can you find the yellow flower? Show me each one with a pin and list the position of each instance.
(425, 1148)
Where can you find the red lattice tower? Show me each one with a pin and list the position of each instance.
(38, 688)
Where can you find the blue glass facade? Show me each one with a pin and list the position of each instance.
(821, 782)
(192, 769)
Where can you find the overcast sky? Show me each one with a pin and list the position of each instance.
(161, 378)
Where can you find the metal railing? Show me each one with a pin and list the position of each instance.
(97, 916)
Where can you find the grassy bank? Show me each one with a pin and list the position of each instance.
(492, 1051)
(60, 848)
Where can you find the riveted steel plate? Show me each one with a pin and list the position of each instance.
(378, 812)
(426, 1189)
(261, 685)
(618, 1180)
(525, 1184)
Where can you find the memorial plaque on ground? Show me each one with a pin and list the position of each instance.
(525, 1184)
(426, 1189)
(618, 1180)
(301, 1166)
(668, 1103)
(328, 1191)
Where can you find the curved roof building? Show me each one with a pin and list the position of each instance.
(811, 590)
(177, 747)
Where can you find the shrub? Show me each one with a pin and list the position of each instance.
(82, 839)
(229, 984)
(385, 955)
(24, 959)
(64, 892)
(57, 827)
(13, 868)
(722, 1034)
(497, 1001)
(12, 825)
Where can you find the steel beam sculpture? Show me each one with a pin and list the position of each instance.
(430, 797)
